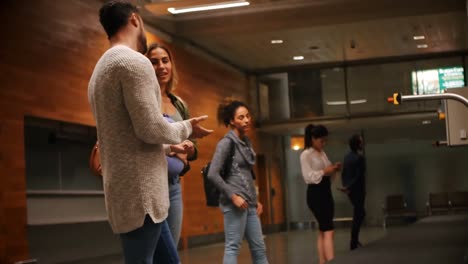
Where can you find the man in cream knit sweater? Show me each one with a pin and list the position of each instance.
(126, 102)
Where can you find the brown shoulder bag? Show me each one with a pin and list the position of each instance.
(95, 160)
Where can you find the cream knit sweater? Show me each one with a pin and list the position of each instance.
(125, 100)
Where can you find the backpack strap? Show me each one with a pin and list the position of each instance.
(229, 159)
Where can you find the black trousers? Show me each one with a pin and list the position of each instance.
(357, 198)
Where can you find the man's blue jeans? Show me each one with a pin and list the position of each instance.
(149, 244)
(237, 223)
(166, 250)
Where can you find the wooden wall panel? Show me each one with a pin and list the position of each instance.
(279, 216)
(47, 57)
(13, 205)
(2, 191)
(46, 60)
(269, 150)
(263, 184)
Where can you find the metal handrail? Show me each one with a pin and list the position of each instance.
(452, 96)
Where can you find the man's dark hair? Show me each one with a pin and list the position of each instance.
(114, 14)
(355, 142)
(312, 131)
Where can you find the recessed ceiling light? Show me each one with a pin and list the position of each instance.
(276, 41)
(207, 7)
(358, 101)
(336, 102)
(426, 122)
(298, 57)
(422, 46)
(419, 37)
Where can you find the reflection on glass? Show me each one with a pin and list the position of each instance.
(311, 93)
(56, 155)
(274, 97)
(305, 89)
(41, 159)
(333, 91)
(375, 82)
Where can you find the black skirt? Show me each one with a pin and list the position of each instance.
(320, 202)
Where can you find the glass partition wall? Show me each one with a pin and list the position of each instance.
(353, 99)
(347, 91)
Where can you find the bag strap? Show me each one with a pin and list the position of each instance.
(180, 106)
(229, 159)
(183, 110)
(95, 160)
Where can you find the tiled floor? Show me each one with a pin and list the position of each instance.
(433, 240)
(287, 247)
(282, 248)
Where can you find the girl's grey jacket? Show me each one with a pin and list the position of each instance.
(239, 179)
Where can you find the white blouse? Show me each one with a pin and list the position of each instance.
(312, 165)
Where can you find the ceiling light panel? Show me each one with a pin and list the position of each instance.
(276, 41)
(207, 7)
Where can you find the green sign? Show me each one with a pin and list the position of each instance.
(434, 81)
(451, 78)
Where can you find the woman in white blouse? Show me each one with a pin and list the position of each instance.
(318, 171)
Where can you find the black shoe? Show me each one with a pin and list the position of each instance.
(355, 245)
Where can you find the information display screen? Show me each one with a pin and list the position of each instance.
(435, 81)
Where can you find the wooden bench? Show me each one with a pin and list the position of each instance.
(458, 201)
(438, 203)
(395, 207)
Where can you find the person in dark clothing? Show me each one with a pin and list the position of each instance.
(354, 185)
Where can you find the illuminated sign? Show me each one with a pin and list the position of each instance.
(434, 81)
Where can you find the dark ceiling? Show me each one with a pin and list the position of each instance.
(322, 31)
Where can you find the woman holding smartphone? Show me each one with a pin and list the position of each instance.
(318, 172)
